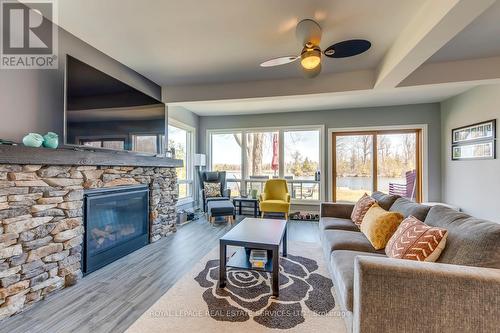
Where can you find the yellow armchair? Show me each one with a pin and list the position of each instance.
(275, 198)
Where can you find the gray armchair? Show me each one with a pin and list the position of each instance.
(213, 177)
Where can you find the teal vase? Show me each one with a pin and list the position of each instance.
(33, 140)
(51, 140)
(253, 193)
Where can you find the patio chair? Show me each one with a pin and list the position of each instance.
(405, 190)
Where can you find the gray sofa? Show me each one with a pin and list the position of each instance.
(458, 293)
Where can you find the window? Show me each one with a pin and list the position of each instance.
(386, 161)
(302, 162)
(252, 156)
(226, 156)
(180, 137)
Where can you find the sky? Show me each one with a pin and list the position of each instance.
(227, 151)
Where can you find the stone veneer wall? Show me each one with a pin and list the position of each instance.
(41, 223)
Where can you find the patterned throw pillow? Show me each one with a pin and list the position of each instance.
(212, 190)
(415, 240)
(379, 225)
(361, 208)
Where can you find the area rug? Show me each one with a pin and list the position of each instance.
(194, 304)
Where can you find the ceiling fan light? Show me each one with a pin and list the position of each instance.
(310, 58)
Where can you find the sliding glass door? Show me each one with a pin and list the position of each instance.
(386, 161)
(354, 166)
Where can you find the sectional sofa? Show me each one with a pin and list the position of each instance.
(458, 293)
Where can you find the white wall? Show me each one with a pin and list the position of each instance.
(474, 186)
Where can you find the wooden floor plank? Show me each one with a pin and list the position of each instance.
(112, 298)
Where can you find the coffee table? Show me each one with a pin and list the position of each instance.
(253, 233)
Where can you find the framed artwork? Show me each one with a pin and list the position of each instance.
(474, 142)
(479, 131)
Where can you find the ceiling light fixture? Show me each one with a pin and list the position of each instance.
(310, 57)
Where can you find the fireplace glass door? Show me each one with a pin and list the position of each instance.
(116, 223)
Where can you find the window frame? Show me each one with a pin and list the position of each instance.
(191, 147)
(421, 151)
(281, 130)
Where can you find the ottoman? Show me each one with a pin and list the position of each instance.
(220, 208)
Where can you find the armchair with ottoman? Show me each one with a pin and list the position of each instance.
(213, 177)
(458, 293)
(216, 198)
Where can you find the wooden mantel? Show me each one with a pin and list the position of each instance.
(68, 155)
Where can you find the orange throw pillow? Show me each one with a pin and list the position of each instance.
(361, 207)
(415, 240)
(379, 225)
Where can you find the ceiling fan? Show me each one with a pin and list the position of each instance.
(308, 33)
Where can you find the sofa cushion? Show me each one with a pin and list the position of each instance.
(342, 271)
(346, 240)
(415, 240)
(471, 241)
(385, 200)
(410, 208)
(361, 207)
(337, 224)
(379, 225)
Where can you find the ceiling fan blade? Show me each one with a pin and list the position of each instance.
(279, 61)
(347, 48)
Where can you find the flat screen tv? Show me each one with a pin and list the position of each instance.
(104, 112)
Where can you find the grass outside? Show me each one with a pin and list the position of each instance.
(347, 195)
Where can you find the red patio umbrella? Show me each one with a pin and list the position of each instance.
(275, 161)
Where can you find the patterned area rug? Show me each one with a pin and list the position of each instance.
(195, 304)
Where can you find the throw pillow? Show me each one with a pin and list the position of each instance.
(212, 190)
(416, 240)
(361, 208)
(379, 225)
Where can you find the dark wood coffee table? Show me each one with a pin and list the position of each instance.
(252, 233)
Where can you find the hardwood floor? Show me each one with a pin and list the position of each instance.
(112, 298)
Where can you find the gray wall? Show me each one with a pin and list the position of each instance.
(33, 100)
(184, 116)
(474, 186)
(381, 116)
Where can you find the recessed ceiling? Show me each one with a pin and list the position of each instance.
(196, 42)
(327, 101)
(481, 39)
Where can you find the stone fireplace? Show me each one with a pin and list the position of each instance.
(42, 226)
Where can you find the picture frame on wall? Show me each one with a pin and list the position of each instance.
(474, 142)
(480, 131)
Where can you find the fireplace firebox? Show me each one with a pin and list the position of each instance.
(116, 224)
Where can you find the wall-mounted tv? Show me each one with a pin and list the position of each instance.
(103, 112)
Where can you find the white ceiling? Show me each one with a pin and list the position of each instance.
(194, 48)
(480, 39)
(327, 101)
(195, 42)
